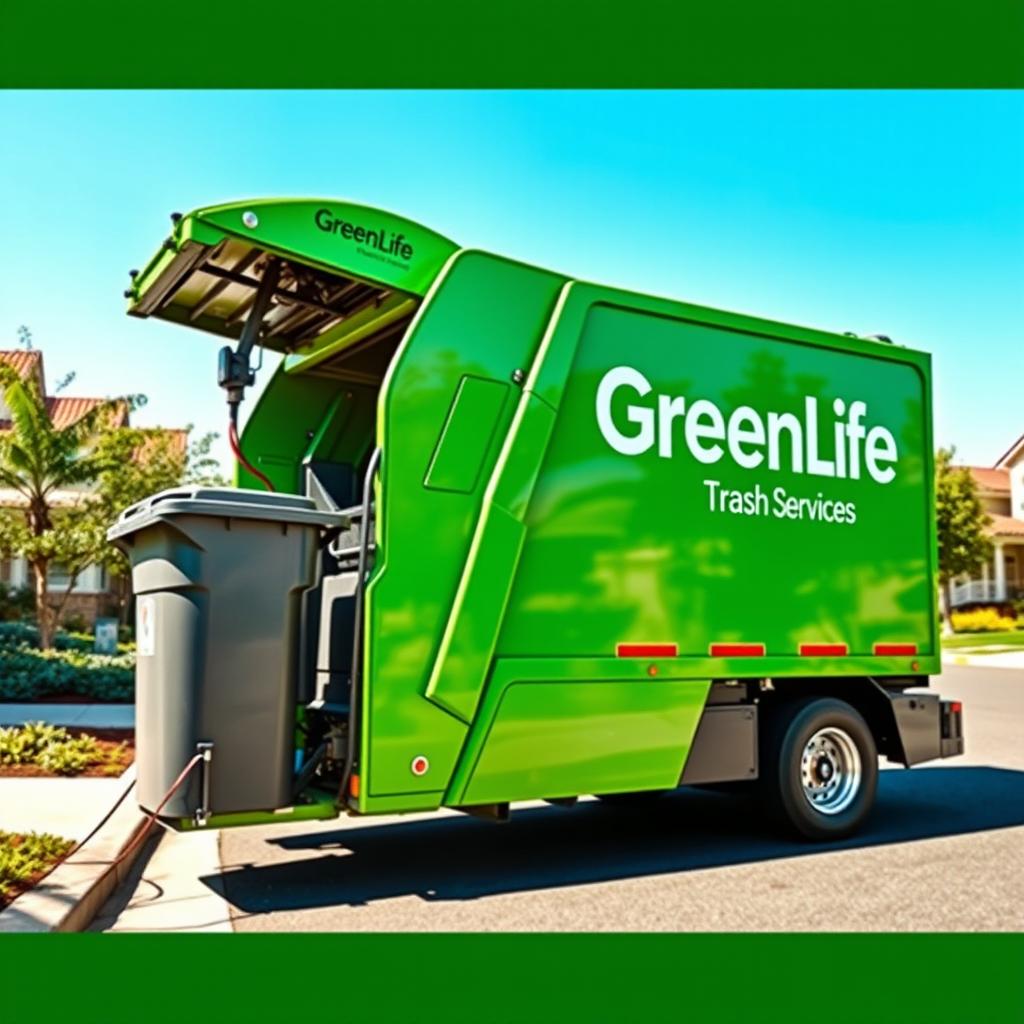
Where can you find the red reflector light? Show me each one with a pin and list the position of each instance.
(956, 707)
(736, 650)
(823, 650)
(895, 648)
(646, 650)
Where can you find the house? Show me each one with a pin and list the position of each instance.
(1001, 490)
(93, 593)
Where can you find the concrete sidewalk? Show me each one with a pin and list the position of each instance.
(168, 889)
(998, 659)
(70, 896)
(79, 716)
(68, 807)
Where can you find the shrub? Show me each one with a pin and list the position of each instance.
(16, 602)
(53, 749)
(25, 857)
(982, 620)
(75, 624)
(27, 673)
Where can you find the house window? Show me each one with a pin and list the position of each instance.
(57, 577)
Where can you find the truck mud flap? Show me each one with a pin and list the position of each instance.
(724, 748)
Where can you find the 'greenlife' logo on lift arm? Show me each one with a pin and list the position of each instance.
(779, 441)
(378, 243)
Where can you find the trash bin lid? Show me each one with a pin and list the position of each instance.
(221, 502)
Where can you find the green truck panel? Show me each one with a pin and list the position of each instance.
(485, 318)
(466, 435)
(553, 738)
(645, 541)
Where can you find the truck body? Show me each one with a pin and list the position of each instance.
(588, 541)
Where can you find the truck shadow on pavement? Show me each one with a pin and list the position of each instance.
(462, 858)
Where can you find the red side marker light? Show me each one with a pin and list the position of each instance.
(736, 650)
(823, 650)
(895, 649)
(420, 765)
(646, 650)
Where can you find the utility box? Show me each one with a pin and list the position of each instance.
(218, 576)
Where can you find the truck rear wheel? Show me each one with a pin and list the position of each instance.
(819, 768)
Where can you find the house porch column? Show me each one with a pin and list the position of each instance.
(1000, 572)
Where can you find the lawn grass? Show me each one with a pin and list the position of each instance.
(1011, 638)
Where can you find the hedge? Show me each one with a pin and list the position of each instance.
(27, 673)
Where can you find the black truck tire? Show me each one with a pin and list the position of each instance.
(819, 768)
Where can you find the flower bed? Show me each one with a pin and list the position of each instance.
(25, 858)
(38, 749)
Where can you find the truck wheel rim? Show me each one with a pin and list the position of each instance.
(830, 770)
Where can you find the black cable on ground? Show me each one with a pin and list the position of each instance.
(143, 831)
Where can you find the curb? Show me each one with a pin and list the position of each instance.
(72, 716)
(71, 895)
(1002, 659)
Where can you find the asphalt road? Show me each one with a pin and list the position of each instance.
(944, 850)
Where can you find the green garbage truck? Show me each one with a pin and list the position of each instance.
(501, 535)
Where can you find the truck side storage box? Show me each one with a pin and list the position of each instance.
(218, 575)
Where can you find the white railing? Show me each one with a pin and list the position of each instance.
(979, 591)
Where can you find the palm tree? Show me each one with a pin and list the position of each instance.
(37, 460)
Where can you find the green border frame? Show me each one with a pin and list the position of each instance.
(509, 979)
(531, 43)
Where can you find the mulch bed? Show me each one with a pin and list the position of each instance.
(109, 740)
(15, 887)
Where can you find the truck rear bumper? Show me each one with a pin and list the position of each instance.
(928, 727)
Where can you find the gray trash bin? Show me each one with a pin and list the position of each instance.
(218, 575)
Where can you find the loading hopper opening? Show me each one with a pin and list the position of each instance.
(213, 287)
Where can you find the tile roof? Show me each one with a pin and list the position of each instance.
(991, 479)
(65, 411)
(22, 361)
(1005, 526)
(178, 442)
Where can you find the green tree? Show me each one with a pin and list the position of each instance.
(38, 460)
(140, 462)
(964, 546)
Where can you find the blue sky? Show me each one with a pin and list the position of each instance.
(892, 212)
